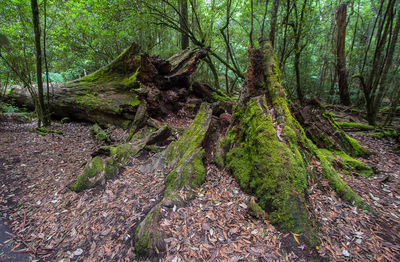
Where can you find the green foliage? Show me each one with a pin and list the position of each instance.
(7, 108)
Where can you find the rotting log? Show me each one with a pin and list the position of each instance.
(114, 93)
(268, 151)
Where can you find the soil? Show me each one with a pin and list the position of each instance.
(51, 223)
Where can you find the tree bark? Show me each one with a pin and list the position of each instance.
(268, 152)
(274, 15)
(183, 22)
(41, 110)
(114, 93)
(341, 15)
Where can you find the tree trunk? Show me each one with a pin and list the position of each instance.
(274, 15)
(268, 152)
(41, 110)
(183, 22)
(340, 54)
(114, 93)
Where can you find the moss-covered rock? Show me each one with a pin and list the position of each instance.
(148, 238)
(90, 177)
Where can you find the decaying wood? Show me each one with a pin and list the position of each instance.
(113, 94)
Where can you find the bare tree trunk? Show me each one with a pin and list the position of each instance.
(43, 117)
(274, 15)
(341, 14)
(251, 23)
(183, 22)
(46, 65)
(300, 95)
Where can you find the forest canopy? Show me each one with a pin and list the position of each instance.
(321, 45)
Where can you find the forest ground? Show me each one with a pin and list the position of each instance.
(51, 223)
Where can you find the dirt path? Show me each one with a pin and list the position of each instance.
(96, 225)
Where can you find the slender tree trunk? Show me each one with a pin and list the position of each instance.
(300, 95)
(45, 54)
(341, 14)
(43, 117)
(183, 22)
(251, 23)
(274, 15)
(264, 18)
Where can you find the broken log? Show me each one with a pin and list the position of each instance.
(114, 93)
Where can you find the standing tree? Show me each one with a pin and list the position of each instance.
(374, 84)
(274, 16)
(183, 22)
(341, 15)
(41, 108)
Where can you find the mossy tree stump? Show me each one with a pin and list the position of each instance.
(268, 152)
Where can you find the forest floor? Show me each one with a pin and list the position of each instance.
(51, 223)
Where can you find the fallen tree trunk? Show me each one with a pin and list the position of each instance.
(114, 93)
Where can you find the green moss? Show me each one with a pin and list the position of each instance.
(347, 163)
(65, 120)
(356, 125)
(254, 209)
(147, 235)
(99, 133)
(272, 170)
(88, 177)
(221, 96)
(191, 139)
(336, 182)
(350, 145)
(89, 100)
(131, 82)
(100, 76)
(134, 101)
(354, 147)
(125, 125)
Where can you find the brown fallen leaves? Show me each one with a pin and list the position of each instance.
(96, 225)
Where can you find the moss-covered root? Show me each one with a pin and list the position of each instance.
(191, 140)
(270, 168)
(185, 158)
(149, 240)
(99, 169)
(346, 163)
(188, 174)
(100, 134)
(337, 183)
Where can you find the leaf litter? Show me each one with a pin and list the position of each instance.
(96, 225)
